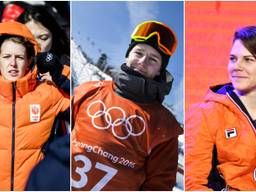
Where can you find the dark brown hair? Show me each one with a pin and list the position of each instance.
(248, 37)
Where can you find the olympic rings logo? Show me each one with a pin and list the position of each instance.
(115, 123)
(49, 57)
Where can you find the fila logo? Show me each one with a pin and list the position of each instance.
(34, 112)
(230, 132)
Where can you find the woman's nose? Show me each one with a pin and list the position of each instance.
(13, 61)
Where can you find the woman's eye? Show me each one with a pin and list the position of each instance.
(20, 57)
(249, 60)
(43, 37)
(6, 56)
(232, 59)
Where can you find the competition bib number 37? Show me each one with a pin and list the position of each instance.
(87, 166)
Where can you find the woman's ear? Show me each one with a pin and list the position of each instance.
(30, 63)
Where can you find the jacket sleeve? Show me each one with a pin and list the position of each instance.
(199, 145)
(161, 166)
(60, 102)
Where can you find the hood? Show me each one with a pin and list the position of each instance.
(19, 29)
(221, 94)
(225, 95)
(28, 82)
(218, 93)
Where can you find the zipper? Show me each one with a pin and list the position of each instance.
(13, 133)
(242, 112)
(228, 187)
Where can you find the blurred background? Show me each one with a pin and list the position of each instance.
(209, 29)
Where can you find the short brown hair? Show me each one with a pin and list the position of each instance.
(248, 37)
(20, 40)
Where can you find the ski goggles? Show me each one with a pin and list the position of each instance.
(167, 40)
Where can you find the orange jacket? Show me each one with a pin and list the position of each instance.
(66, 71)
(120, 145)
(220, 121)
(28, 109)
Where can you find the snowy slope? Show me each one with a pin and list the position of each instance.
(82, 69)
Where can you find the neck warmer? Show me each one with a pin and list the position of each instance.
(133, 86)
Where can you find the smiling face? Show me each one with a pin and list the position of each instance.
(242, 69)
(145, 59)
(42, 35)
(13, 60)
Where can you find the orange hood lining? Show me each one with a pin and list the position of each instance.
(19, 29)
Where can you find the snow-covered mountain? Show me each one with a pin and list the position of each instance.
(82, 68)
